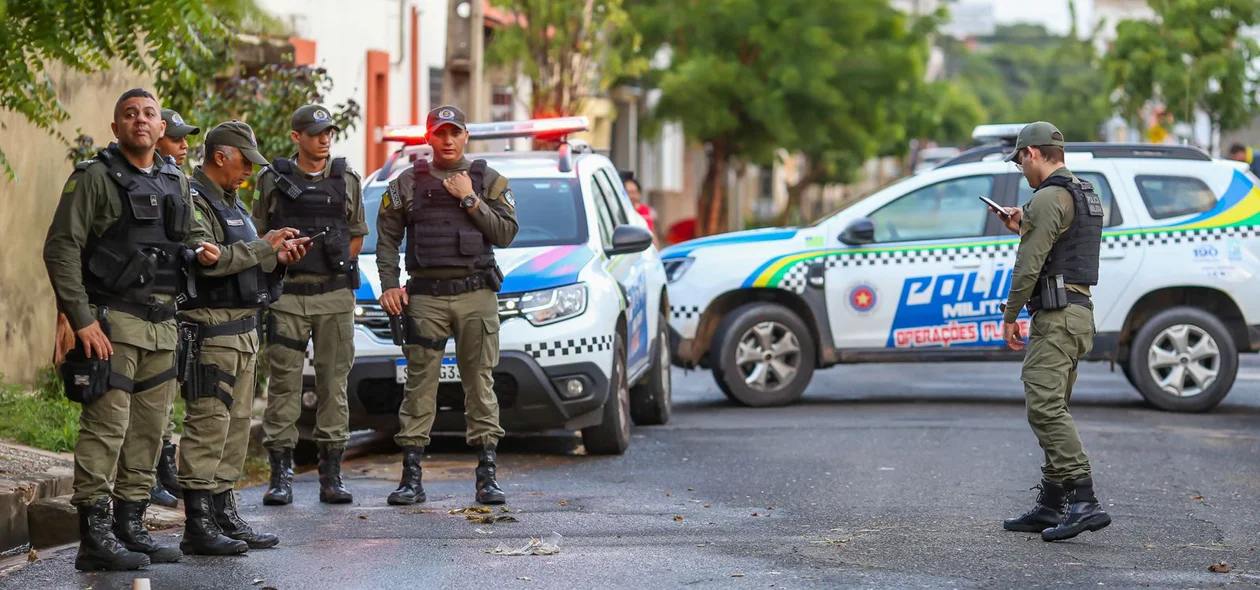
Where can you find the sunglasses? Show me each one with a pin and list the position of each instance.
(1019, 158)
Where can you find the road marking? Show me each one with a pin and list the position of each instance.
(1249, 375)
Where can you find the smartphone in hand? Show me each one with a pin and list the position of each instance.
(996, 208)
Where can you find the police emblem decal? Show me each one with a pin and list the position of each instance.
(863, 298)
(321, 115)
(178, 120)
(446, 114)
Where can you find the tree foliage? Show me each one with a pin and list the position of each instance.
(1192, 55)
(568, 49)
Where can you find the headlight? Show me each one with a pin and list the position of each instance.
(675, 267)
(553, 305)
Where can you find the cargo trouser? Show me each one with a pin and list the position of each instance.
(216, 439)
(333, 335)
(473, 319)
(1057, 340)
(120, 434)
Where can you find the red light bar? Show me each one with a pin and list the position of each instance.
(414, 134)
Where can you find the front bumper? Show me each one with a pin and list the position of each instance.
(529, 399)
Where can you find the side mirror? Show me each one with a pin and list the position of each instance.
(628, 239)
(859, 231)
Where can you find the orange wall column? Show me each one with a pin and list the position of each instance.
(377, 115)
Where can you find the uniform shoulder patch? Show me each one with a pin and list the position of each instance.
(391, 199)
(70, 184)
(508, 198)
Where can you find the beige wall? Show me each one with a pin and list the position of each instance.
(27, 309)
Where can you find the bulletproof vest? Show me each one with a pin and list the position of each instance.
(1075, 254)
(439, 230)
(143, 253)
(245, 289)
(312, 207)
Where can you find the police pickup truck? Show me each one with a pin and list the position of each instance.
(583, 304)
(917, 272)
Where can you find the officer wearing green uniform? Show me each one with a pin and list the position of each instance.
(452, 212)
(172, 145)
(220, 326)
(1060, 232)
(315, 194)
(118, 254)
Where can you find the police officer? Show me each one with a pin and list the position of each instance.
(316, 194)
(453, 212)
(1060, 232)
(118, 255)
(174, 145)
(220, 327)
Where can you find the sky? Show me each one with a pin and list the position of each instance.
(1051, 13)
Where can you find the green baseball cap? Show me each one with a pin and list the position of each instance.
(312, 119)
(1034, 135)
(238, 135)
(445, 115)
(175, 125)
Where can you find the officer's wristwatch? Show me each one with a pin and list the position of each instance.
(468, 202)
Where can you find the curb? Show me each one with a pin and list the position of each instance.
(18, 490)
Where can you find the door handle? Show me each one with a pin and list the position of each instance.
(967, 263)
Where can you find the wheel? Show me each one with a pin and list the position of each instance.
(1183, 360)
(650, 400)
(763, 355)
(612, 436)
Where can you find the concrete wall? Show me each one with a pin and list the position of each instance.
(27, 309)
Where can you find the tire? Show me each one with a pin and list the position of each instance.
(753, 325)
(1182, 333)
(651, 399)
(612, 435)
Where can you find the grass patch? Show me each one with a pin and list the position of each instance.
(42, 418)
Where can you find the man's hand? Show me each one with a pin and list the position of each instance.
(459, 186)
(277, 237)
(64, 340)
(293, 250)
(1013, 217)
(393, 300)
(95, 342)
(209, 254)
(1010, 333)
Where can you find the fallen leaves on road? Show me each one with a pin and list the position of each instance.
(691, 489)
(678, 517)
(362, 517)
(535, 546)
(491, 519)
(563, 502)
(418, 511)
(1219, 567)
(525, 579)
(32, 555)
(707, 506)
(257, 581)
(737, 575)
(1197, 497)
(504, 508)
(472, 510)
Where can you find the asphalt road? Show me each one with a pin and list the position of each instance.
(884, 476)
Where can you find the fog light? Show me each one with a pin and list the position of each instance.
(308, 399)
(358, 311)
(574, 387)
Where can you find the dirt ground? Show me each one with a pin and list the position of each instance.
(27, 308)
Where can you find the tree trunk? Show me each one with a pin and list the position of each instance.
(796, 190)
(712, 193)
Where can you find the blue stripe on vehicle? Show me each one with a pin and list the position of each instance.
(684, 248)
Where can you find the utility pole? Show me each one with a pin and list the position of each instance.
(478, 58)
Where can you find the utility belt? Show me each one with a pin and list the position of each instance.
(346, 280)
(404, 331)
(89, 379)
(1051, 293)
(488, 279)
(199, 380)
(147, 312)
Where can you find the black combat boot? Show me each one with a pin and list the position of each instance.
(280, 492)
(167, 474)
(1083, 512)
(409, 489)
(99, 549)
(1047, 513)
(130, 531)
(331, 490)
(234, 527)
(488, 491)
(202, 536)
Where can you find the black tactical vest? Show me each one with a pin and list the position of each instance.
(143, 253)
(245, 289)
(311, 208)
(1075, 254)
(439, 231)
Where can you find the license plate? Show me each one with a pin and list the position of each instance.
(448, 372)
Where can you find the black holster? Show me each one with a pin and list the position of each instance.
(397, 330)
(86, 379)
(205, 383)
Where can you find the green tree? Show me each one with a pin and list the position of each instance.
(569, 50)
(1192, 55)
